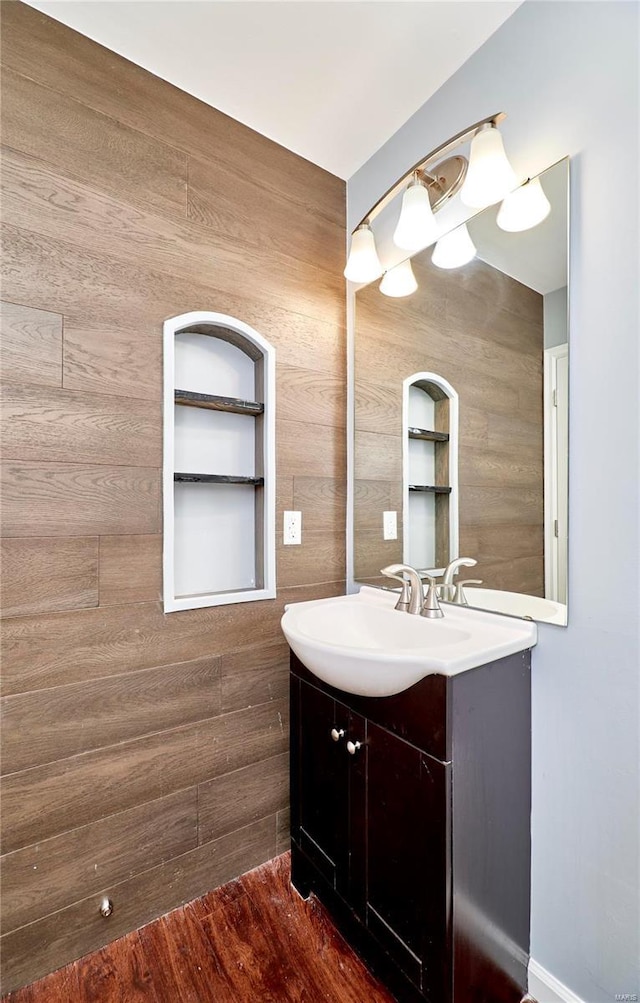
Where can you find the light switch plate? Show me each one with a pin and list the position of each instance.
(390, 525)
(292, 528)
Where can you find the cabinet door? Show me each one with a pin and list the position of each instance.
(408, 857)
(323, 797)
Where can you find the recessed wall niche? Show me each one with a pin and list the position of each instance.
(219, 462)
(430, 471)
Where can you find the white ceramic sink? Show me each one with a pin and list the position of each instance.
(361, 644)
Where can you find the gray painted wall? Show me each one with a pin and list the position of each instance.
(566, 74)
(554, 306)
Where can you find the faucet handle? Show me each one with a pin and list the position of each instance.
(431, 607)
(460, 598)
(405, 596)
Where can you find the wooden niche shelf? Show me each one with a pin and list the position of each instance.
(219, 462)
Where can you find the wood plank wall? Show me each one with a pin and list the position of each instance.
(144, 756)
(483, 332)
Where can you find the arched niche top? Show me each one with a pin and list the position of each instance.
(436, 386)
(218, 325)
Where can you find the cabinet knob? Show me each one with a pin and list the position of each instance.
(352, 747)
(337, 735)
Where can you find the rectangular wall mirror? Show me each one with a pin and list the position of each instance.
(461, 416)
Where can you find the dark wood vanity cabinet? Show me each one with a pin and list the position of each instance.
(410, 822)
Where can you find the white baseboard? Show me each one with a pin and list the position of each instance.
(545, 988)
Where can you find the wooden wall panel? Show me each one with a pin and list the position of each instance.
(45, 575)
(125, 201)
(483, 332)
(130, 569)
(67, 720)
(75, 427)
(88, 145)
(31, 951)
(255, 675)
(46, 651)
(37, 802)
(31, 345)
(46, 876)
(78, 499)
(236, 799)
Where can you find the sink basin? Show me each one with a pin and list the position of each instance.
(361, 644)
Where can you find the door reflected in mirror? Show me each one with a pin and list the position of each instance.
(461, 415)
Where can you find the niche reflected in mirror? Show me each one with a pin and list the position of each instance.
(461, 416)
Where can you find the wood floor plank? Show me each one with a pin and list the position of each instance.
(252, 962)
(31, 345)
(253, 939)
(119, 973)
(327, 964)
(184, 967)
(33, 950)
(59, 987)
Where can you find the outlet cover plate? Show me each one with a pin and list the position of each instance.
(390, 525)
(292, 528)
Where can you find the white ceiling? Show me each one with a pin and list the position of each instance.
(329, 80)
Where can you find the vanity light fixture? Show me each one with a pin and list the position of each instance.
(363, 264)
(416, 227)
(454, 249)
(524, 208)
(399, 281)
(490, 176)
(429, 184)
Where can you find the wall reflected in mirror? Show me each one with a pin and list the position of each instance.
(461, 416)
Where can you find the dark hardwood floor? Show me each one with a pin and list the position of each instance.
(252, 941)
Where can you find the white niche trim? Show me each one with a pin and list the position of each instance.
(219, 462)
(430, 408)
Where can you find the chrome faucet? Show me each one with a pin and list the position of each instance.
(452, 569)
(411, 598)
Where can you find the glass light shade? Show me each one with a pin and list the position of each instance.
(363, 264)
(399, 281)
(454, 249)
(490, 176)
(524, 208)
(417, 227)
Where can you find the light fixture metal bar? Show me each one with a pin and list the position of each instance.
(422, 164)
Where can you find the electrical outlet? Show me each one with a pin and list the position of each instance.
(390, 525)
(292, 528)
